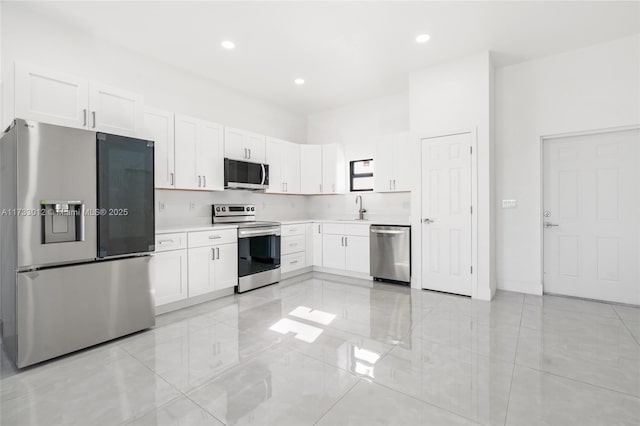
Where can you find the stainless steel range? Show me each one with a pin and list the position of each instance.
(258, 245)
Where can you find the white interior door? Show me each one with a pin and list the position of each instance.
(592, 216)
(446, 214)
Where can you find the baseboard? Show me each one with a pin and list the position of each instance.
(520, 287)
(191, 301)
(343, 273)
(297, 272)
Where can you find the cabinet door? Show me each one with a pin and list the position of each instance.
(226, 266)
(210, 155)
(186, 136)
(276, 164)
(311, 163)
(115, 111)
(256, 144)
(317, 244)
(333, 169)
(51, 97)
(170, 276)
(291, 162)
(201, 270)
(158, 127)
(384, 162)
(401, 163)
(333, 255)
(235, 144)
(357, 254)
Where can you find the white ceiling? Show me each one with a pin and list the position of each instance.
(346, 51)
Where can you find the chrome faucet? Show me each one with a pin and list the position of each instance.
(362, 211)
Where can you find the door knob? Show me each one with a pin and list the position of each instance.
(427, 220)
(550, 225)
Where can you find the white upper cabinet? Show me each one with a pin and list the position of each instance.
(284, 170)
(186, 131)
(57, 98)
(51, 97)
(210, 155)
(114, 110)
(392, 163)
(333, 169)
(199, 154)
(244, 145)
(158, 127)
(311, 164)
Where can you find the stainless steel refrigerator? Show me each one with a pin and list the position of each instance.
(77, 229)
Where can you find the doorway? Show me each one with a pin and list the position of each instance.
(591, 216)
(446, 227)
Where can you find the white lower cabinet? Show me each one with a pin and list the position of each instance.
(293, 247)
(316, 237)
(193, 264)
(212, 268)
(346, 247)
(170, 276)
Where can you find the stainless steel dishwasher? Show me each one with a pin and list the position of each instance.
(390, 249)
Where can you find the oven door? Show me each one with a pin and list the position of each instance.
(258, 250)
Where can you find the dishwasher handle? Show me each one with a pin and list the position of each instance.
(386, 231)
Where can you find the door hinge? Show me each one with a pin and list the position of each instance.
(471, 269)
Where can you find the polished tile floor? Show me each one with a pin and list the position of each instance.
(329, 351)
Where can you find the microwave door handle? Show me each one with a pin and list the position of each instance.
(264, 174)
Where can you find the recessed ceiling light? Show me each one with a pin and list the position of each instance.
(229, 45)
(423, 38)
(299, 81)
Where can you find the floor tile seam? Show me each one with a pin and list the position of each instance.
(624, 324)
(337, 401)
(513, 370)
(582, 382)
(415, 398)
(474, 352)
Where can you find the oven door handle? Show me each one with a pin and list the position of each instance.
(263, 174)
(242, 233)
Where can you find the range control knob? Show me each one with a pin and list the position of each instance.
(217, 209)
(247, 208)
(253, 209)
(224, 209)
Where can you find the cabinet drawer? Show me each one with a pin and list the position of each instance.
(293, 244)
(166, 242)
(210, 238)
(292, 262)
(356, 230)
(297, 229)
(333, 228)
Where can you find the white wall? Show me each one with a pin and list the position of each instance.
(357, 128)
(32, 38)
(445, 99)
(592, 88)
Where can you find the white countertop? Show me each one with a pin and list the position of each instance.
(221, 226)
(194, 228)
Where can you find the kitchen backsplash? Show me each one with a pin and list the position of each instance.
(175, 208)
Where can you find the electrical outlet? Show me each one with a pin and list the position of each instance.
(192, 205)
(161, 206)
(509, 204)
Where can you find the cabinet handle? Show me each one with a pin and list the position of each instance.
(346, 241)
(204, 179)
(160, 242)
(286, 187)
(214, 237)
(319, 231)
(390, 184)
(172, 179)
(293, 262)
(249, 153)
(341, 241)
(282, 186)
(199, 181)
(333, 187)
(213, 253)
(320, 187)
(293, 244)
(93, 114)
(218, 253)
(394, 184)
(84, 117)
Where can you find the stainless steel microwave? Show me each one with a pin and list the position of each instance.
(245, 175)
